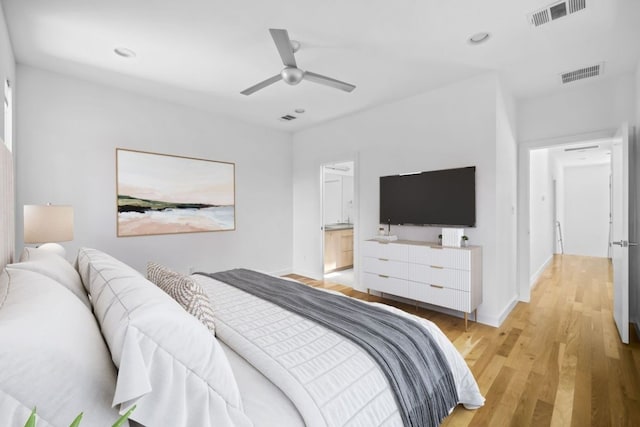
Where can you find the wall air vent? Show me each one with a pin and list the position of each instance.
(288, 117)
(582, 73)
(555, 11)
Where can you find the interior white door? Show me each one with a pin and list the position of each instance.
(620, 230)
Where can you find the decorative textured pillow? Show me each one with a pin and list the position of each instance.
(169, 365)
(52, 355)
(55, 267)
(186, 291)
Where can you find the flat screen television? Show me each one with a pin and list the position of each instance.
(443, 197)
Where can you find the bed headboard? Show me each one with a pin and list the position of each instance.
(7, 206)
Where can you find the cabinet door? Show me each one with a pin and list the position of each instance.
(331, 244)
(345, 256)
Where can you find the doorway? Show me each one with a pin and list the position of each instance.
(569, 202)
(338, 222)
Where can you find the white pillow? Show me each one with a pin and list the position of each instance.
(171, 366)
(54, 267)
(52, 355)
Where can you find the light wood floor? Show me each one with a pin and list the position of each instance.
(556, 361)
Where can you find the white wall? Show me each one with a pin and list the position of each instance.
(7, 66)
(578, 109)
(506, 199)
(541, 219)
(7, 187)
(68, 131)
(586, 210)
(332, 198)
(454, 126)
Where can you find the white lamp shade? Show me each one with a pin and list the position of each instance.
(47, 223)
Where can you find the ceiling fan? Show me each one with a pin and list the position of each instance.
(291, 74)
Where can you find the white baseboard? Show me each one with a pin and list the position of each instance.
(533, 280)
(283, 272)
(496, 321)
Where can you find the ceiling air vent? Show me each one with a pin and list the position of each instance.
(582, 73)
(555, 11)
(587, 147)
(288, 117)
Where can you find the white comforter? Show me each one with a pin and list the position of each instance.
(331, 381)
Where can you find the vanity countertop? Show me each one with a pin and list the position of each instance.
(338, 226)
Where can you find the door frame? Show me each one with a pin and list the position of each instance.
(524, 172)
(356, 214)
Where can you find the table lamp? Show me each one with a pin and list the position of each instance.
(48, 224)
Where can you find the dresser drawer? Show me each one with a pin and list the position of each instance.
(390, 285)
(391, 251)
(459, 259)
(386, 267)
(447, 277)
(445, 297)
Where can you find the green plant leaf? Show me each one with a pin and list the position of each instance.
(76, 422)
(31, 422)
(123, 418)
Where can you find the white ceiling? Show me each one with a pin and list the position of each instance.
(204, 52)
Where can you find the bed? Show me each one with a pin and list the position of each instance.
(160, 354)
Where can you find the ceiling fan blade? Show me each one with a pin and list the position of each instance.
(328, 81)
(283, 43)
(262, 85)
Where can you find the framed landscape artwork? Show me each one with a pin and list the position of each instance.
(165, 194)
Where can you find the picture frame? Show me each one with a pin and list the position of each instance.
(169, 194)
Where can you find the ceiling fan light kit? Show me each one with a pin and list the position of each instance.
(291, 74)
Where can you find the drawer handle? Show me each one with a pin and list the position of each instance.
(437, 286)
(383, 259)
(436, 266)
(383, 276)
(436, 247)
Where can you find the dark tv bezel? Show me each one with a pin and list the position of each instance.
(430, 224)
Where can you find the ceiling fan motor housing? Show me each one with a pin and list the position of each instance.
(292, 75)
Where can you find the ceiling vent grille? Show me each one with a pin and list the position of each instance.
(587, 147)
(288, 117)
(555, 11)
(582, 73)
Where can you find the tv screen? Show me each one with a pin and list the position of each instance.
(443, 197)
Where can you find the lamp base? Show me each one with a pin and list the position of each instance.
(54, 248)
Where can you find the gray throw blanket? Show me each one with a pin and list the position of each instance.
(417, 371)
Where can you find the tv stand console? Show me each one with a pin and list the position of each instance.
(425, 272)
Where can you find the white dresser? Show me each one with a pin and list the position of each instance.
(426, 272)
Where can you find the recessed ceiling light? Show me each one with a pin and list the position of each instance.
(299, 110)
(479, 38)
(124, 52)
